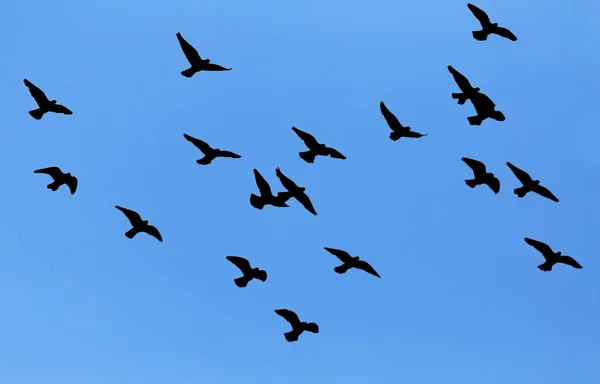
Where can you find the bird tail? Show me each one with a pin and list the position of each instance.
(521, 191)
(291, 336)
(189, 72)
(480, 35)
(204, 161)
(312, 327)
(461, 98)
(36, 113)
(131, 233)
(546, 267)
(498, 116)
(395, 135)
(261, 275)
(341, 268)
(308, 156)
(475, 120)
(53, 186)
(471, 183)
(257, 201)
(241, 281)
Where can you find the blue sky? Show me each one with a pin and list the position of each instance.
(460, 300)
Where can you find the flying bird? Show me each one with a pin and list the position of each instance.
(481, 175)
(530, 185)
(294, 191)
(315, 148)
(138, 225)
(398, 130)
(44, 105)
(209, 153)
(467, 90)
(248, 272)
(266, 196)
(487, 27)
(197, 63)
(298, 327)
(59, 178)
(485, 108)
(350, 262)
(551, 256)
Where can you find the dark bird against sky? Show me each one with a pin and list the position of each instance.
(485, 109)
(487, 27)
(266, 196)
(44, 105)
(467, 90)
(197, 64)
(530, 185)
(294, 191)
(59, 178)
(210, 153)
(481, 175)
(315, 148)
(551, 257)
(248, 272)
(138, 225)
(398, 130)
(350, 262)
(298, 327)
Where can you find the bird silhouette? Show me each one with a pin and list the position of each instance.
(485, 108)
(294, 191)
(138, 225)
(350, 262)
(530, 185)
(248, 272)
(398, 130)
(266, 196)
(487, 27)
(298, 327)
(209, 153)
(197, 63)
(59, 178)
(481, 175)
(44, 105)
(467, 90)
(315, 148)
(551, 256)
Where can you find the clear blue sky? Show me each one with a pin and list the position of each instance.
(460, 300)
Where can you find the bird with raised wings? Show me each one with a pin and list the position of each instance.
(266, 196)
(467, 90)
(485, 109)
(398, 130)
(298, 327)
(138, 225)
(59, 178)
(295, 191)
(315, 148)
(210, 153)
(350, 262)
(248, 272)
(530, 185)
(197, 64)
(481, 175)
(44, 104)
(551, 256)
(487, 27)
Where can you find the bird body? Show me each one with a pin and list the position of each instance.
(487, 27)
(210, 153)
(467, 90)
(138, 225)
(248, 272)
(551, 257)
(315, 148)
(481, 175)
(485, 108)
(44, 105)
(298, 327)
(59, 178)
(350, 262)
(398, 130)
(197, 64)
(530, 185)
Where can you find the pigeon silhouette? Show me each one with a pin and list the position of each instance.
(138, 225)
(59, 178)
(266, 197)
(197, 63)
(315, 148)
(487, 27)
(485, 108)
(350, 262)
(294, 191)
(481, 175)
(298, 327)
(44, 105)
(209, 153)
(551, 256)
(398, 130)
(530, 185)
(248, 272)
(467, 90)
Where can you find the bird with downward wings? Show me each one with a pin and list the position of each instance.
(44, 104)
(298, 327)
(59, 178)
(315, 148)
(294, 191)
(210, 153)
(350, 262)
(398, 130)
(530, 185)
(467, 90)
(138, 225)
(197, 64)
(487, 27)
(551, 256)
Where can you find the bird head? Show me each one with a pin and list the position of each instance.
(476, 89)
(302, 189)
(495, 24)
(145, 221)
(356, 258)
(558, 253)
(537, 182)
(68, 174)
(52, 101)
(207, 60)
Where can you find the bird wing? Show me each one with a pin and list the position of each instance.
(543, 191)
(38, 95)
(308, 139)
(289, 316)
(390, 118)
(569, 261)
(335, 153)
(494, 184)
(133, 217)
(361, 264)
(482, 103)
(306, 203)
(460, 80)
(201, 145)
(340, 254)
(523, 176)
(285, 181)
(153, 231)
(262, 184)
(477, 166)
(54, 172)
(188, 50)
(229, 154)
(214, 67)
(505, 32)
(240, 262)
(483, 18)
(72, 184)
(59, 108)
(542, 248)
(412, 134)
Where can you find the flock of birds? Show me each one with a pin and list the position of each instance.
(484, 108)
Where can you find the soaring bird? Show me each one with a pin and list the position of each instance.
(138, 225)
(298, 327)
(487, 27)
(467, 90)
(485, 108)
(59, 178)
(294, 191)
(315, 148)
(210, 153)
(266, 196)
(197, 63)
(350, 262)
(398, 130)
(481, 175)
(530, 185)
(551, 256)
(44, 105)
(248, 272)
